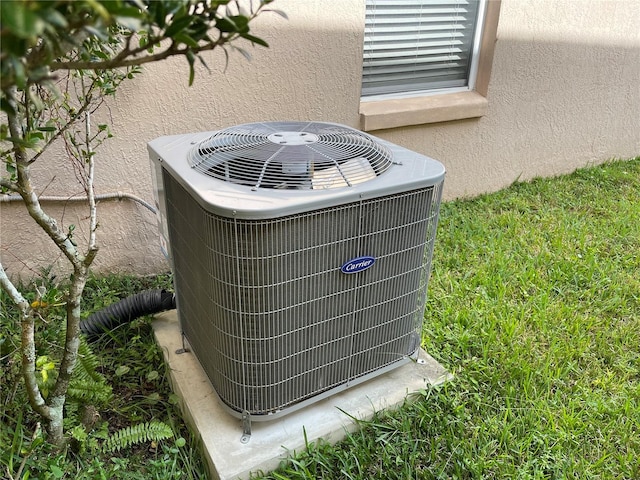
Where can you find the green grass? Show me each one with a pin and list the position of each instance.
(534, 305)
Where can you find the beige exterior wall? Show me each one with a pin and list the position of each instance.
(564, 93)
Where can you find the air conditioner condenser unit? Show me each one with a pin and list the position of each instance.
(301, 254)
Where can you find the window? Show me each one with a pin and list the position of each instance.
(426, 61)
(419, 45)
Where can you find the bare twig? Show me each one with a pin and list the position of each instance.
(60, 131)
(93, 222)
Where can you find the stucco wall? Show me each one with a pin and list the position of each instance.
(564, 93)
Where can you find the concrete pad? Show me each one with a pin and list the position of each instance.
(273, 441)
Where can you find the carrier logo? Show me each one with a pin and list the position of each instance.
(356, 265)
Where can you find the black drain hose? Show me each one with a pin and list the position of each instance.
(126, 310)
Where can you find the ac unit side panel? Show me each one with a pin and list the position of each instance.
(269, 314)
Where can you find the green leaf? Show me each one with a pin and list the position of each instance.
(204, 64)
(101, 55)
(143, 38)
(122, 370)
(177, 26)
(129, 12)
(6, 107)
(89, 390)
(41, 360)
(56, 471)
(18, 70)
(236, 23)
(158, 13)
(18, 19)
(99, 33)
(277, 12)
(54, 18)
(253, 39)
(129, 22)
(39, 73)
(154, 397)
(136, 434)
(192, 72)
(186, 39)
(32, 139)
(241, 21)
(244, 53)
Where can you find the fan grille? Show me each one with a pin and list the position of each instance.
(291, 155)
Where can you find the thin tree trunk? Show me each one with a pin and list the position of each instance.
(57, 396)
(50, 409)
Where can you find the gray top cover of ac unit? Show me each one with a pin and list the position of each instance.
(405, 171)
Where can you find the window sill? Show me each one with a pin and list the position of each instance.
(401, 112)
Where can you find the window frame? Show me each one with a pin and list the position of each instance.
(456, 103)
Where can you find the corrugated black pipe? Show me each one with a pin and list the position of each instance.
(126, 310)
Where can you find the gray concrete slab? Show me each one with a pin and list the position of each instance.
(271, 442)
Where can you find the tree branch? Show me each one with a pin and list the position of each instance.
(28, 349)
(61, 131)
(25, 189)
(12, 291)
(68, 42)
(48, 224)
(72, 336)
(92, 249)
(118, 62)
(8, 184)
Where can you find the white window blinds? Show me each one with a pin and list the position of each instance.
(418, 45)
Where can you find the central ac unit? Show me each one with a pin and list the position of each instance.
(301, 254)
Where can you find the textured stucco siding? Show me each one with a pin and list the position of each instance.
(564, 93)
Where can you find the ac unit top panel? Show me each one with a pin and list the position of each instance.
(289, 180)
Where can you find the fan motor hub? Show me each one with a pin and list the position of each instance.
(292, 138)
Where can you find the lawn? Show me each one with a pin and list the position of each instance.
(534, 305)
